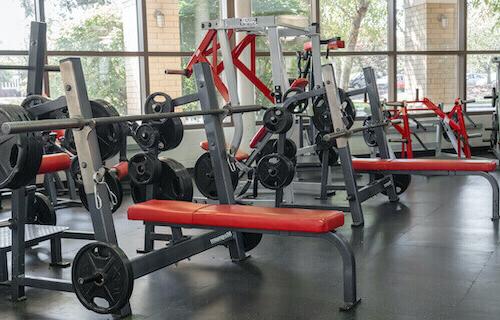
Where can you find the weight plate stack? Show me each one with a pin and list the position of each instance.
(171, 133)
(275, 171)
(109, 136)
(299, 106)
(205, 179)
(147, 137)
(401, 182)
(99, 291)
(271, 146)
(175, 183)
(369, 134)
(21, 153)
(322, 146)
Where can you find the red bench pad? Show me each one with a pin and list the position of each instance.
(422, 165)
(54, 162)
(237, 216)
(240, 155)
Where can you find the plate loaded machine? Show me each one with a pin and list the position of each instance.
(36, 68)
(494, 139)
(383, 183)
(114, 281)
(218, 37)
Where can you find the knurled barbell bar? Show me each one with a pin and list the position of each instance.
(348, 132)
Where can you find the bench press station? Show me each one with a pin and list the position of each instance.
(386, 168)
(101, 271)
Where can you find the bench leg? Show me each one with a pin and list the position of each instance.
(236, 248)
(349, 270)
(351, 187)
(496, 194)
(56, 253)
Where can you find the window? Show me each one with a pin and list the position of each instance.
(114, 79)
(15, 18)
(434, 76)
(485, 34)
(13, 82)
(427, 25)
(91, 25)
(281, 7)
(361, 23)
(175, 25)
(481, 78)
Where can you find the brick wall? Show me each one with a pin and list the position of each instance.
(435, 76)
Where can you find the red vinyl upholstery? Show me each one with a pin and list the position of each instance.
(240, 155)
(121, 170)
(299, 83)
(54, 162)
(237, 216)
(422, 165)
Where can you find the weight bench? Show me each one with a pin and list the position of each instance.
(241, 218)
(434, 167)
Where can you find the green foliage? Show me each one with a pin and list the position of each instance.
(105, 76)
(279, 7)
(187, 20)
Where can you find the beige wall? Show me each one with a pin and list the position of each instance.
(435, 76)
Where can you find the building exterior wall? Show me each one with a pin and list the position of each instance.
(430, 25)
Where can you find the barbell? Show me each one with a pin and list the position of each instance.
(21, 144)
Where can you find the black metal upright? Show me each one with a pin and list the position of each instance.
(37, 56)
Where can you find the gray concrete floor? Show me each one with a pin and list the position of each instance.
(434, 255)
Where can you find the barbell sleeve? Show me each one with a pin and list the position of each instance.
(43, 125)
(176, 72)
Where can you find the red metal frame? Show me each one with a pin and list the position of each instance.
(208, 49)
(455, 119)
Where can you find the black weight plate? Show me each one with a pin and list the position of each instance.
(147, 136)
(401, 182)
(271, 146)
(109, 136)
(369, 135)
(102, 271)
(144, 168)
(175, 182)
(251, 240)
(32, 101)
(158, 102)
(41, 211)
(333, 156)
(204, 177)
(275, 171)
(22, 153)
(321, 112)
(171, 134)
(277, 120)
(114, 185)
(290, 148)
(299, 106)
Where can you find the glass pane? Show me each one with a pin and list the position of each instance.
(175, 85)
(481, 78)
(349, 74)
(434, 76)
(92, 25)
(485, 34)
(114, 79)
(15, 18)
(13, 82)
(276, 8)
(362, 24)
(427, 25)
(176, 25)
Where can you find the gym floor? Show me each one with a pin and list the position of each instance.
(434, 255)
